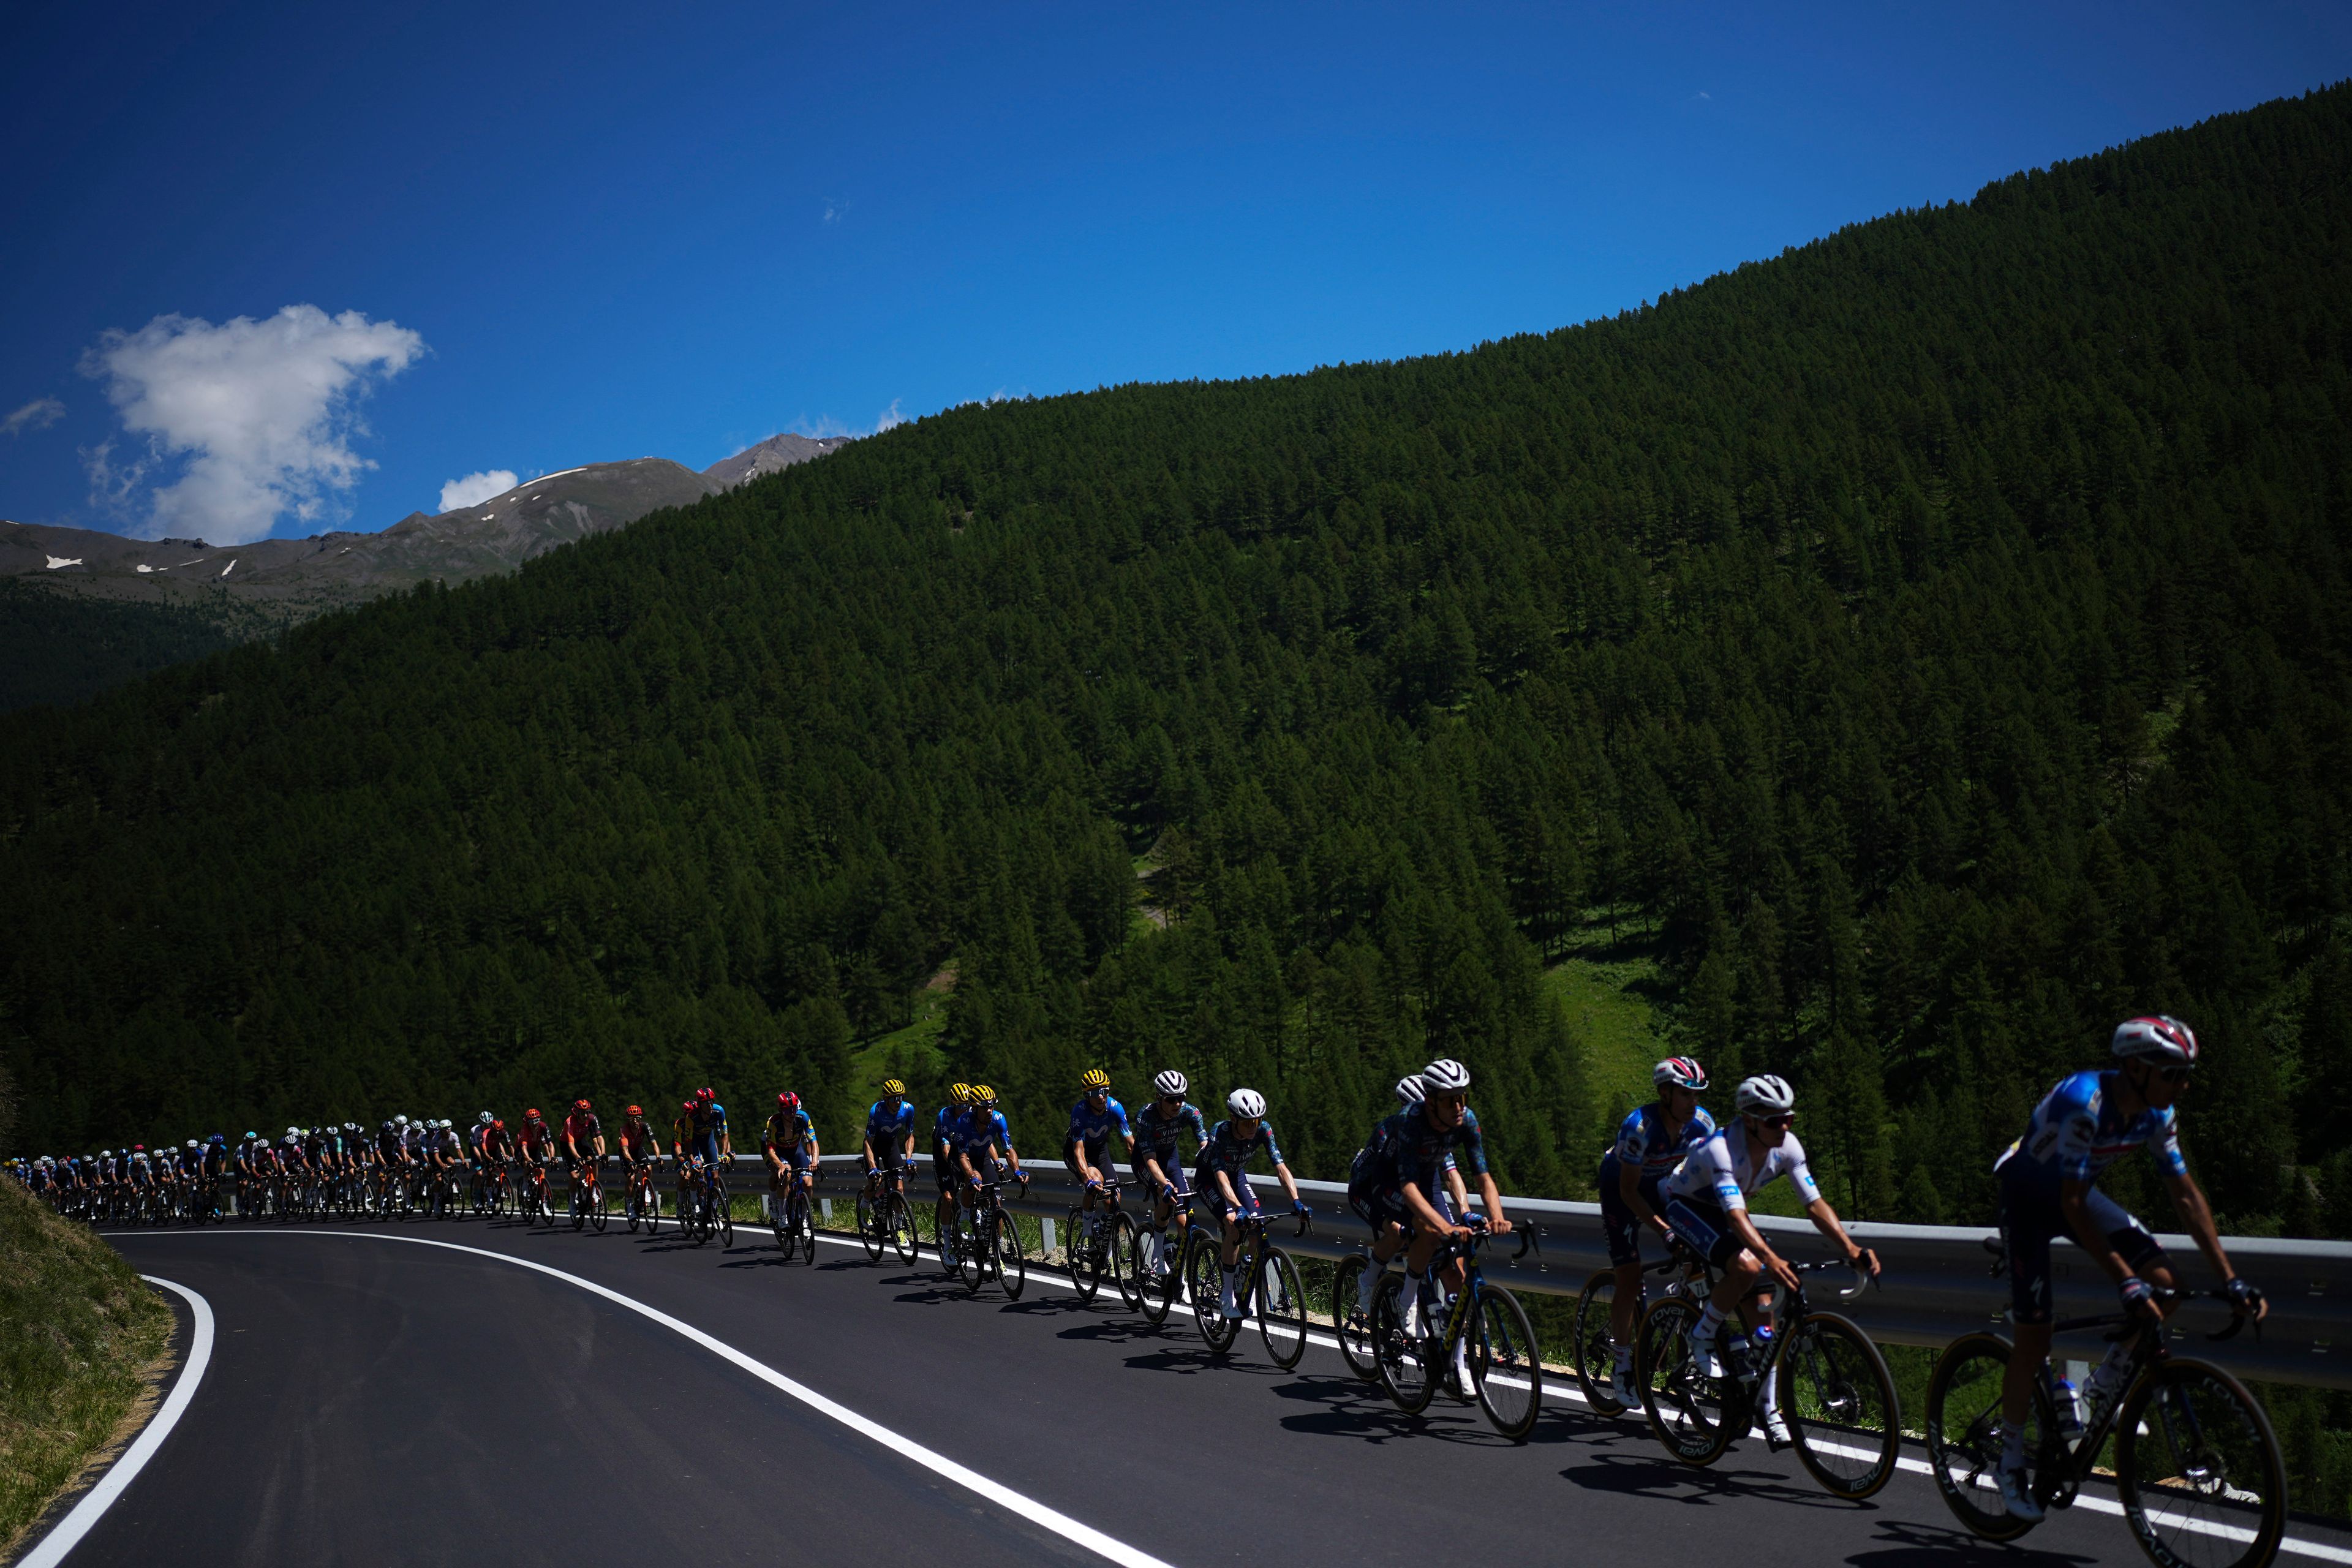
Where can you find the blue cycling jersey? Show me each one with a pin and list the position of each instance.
(890, 1122)
(976, 1129)
(2079, 1130)
(1643, 1140)
(943, 1127)
(784, 1131)
(1157, 1135)
(1228, 1152)
(710, 1119)
(1374, 1168)
(1418, 1147)
(1093, 1128)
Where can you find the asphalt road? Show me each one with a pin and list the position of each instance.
(371, 1398)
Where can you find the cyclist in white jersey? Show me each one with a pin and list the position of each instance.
(1706, 1206)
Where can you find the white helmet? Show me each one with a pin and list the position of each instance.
(192, 1142)
(484, 1120)
(106, 1153)
(1682, 1072)
(2157, 1039)
(1445, 1076)
(1766, 1091)
(1409, 1089)
(1246, 1103)
(400, 1121)
(293, 1132)
(1171, 1083)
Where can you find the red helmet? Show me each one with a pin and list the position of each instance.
(635, 1110)
(686, 1105)
(788, 1100)
(579, 1105)
(499, 1123)
(139, 1148)
(704, 1094)
(532, 1115)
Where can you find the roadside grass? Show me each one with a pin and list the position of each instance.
(81, 1335)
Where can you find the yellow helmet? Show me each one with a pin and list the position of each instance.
(1095, 1079)
(983, 1095)
(960, 1093)
(893, 1089)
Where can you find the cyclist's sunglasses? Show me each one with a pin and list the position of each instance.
(2174, 1074)
(1452, 1099)
(1780, 1123)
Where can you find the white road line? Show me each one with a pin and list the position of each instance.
(99, 1497)
(1004, 1497)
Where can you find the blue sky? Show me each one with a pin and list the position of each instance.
(535, 237)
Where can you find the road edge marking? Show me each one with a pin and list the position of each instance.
(1040, 1514)
(51, 1548)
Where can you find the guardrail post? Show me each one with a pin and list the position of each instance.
(1048, 1226)
(824, 1205)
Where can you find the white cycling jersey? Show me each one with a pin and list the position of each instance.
(1719, 1171)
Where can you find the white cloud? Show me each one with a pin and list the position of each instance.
(476, 488)
(262, 412)
(825, 425)
(889, 418)
(38, 415)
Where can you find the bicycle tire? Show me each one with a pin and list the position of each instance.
(1400, 1349)
(1078, 1253)
(1281, 1308)
(600, 1212)
(1505, 1367)
(1963, 1427)
(978, 1255)
(1012, 1260)
(804, 1227)
(1204, 1284)
(904, 1236)
(780, 1221)
(723, 1210)
(869, 1228)
(1596, 1352)
(1839, 1401)
(1695, 1417)
(1156, 1283)
(1351, 1317)
(2211, 1442)
(1119, 1255)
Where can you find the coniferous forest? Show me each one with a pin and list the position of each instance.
(1931, 643)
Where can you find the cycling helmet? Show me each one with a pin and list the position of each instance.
(1680, 1072)
(1171, 1083)
(400, 1121)
(686, 1105)
(1445, 1076)
(958, 1094)
(445, 1124)
(582, 1104)
(893, 1089)
(788, 1100)
(293, 1132)
(106, 1153)
(350, 1126)
(704, 1094)
(983, 1095)
(219, 1141)
(532, 1115)
(1094, 1081)
(1409, 1089)
(386, 1127)
(633, 1110)
(2157, 1039)
(1246, 1103)
(1766, 1091)
(255, 1137)
(483, 1120)
(139, 1148)
(192, 1142)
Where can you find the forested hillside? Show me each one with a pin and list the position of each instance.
(1934, 639)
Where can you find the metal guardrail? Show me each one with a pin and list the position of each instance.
(1937, 1283)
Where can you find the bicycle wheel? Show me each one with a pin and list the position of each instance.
(1156, 1280)
(780, 1221)
(1504, 1365)
(1281, 1308)
(804, 1227)
(1408, 1372)
(1204, 1277)
(1086, 1276)
(903, 1235)
(1119, 1256)
(2198, 1469)
(1839, 1401)
(649, 1207)
(723, 1210)
(1012, 1267)
(1696, 1417)
(1964, 1433)
(1351, 1317)
(1596, 1352)
(869, 1226)
(599, 1211)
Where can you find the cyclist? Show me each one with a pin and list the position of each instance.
(788, 1139)
(1223, 1176)
(476, 1135)
(712, 1143)
(2049, 1188)
(1706, 1209)
(1160, 1128)
(889, 1136)
(1650, 1143)
(681, 1134)
(1444, 1126)
(639, 1147)
(1094, 1119)
(944, 1163)
(213, 1167)
(534, 1150)
(497, 1148)
(446, 1150)
(980, 1132)
(584, 1139)
(1376, 1193)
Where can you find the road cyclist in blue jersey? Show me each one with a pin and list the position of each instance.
(1376, 1193)
(1160, 1131)
(889, 1138)
(2049, 1188)
(979, 1134)
(945, 1167)
(1222, 1183)
(1652, 1140)
(788, 1142)
(1707, 1209)
(1095, 1121)
(1421, 1141)
(714, 1146)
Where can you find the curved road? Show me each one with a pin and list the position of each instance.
(371, 1396)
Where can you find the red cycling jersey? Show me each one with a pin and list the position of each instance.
(637, 1140)
(537, 1138)
(582, 1129)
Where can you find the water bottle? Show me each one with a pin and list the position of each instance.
(2068, 1405)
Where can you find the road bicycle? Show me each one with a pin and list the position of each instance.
(883, 1216)
(1481, 1339)
(794, 1220)
(535, 1205)
(2193, 1459)
(987, 1243)
(1155, 1277)
(1102, 1241)
(1596, 1347)
(1835, 1392)
(705, 1209)
(1268, 1289)
(587, 1199)
(644, 1203)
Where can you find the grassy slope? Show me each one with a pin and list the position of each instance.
(78, 1331)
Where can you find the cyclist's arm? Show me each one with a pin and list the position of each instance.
(1629, 1187)
(1225, 1186)
(1425, 1217)
(1825, 1220)
(1490, 1199)
(1744, 1227)
(2197, 1214)
(1290, 1184)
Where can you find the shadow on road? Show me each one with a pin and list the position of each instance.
(1935, 1546)
(1646, 1474)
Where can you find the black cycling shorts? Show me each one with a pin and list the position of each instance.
(2030, 1219)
